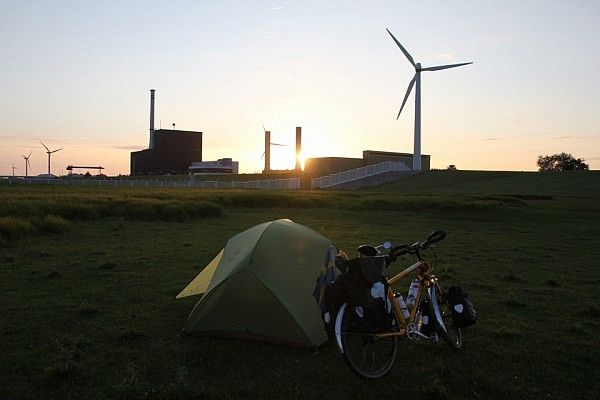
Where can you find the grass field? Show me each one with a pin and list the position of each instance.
(89, 277)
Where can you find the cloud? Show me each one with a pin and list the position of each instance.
(491, 139)
(576, 137)
(446, 56)
(277, 8)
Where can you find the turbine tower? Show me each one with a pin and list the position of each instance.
(27, 164)
(49, 154)
(267, 153)
(417, 79)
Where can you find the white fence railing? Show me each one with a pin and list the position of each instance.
(358, 173)
(269, 184)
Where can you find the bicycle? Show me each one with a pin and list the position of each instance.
(372, 355)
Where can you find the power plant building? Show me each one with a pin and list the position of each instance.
(173, 152)
(322, 166)
(169, 151)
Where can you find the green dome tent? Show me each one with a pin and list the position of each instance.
(260, 286)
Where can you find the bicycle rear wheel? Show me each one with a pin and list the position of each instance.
(449, 332)
(367, 355)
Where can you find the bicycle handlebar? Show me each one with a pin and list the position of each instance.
(400, 250)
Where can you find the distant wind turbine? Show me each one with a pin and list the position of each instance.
(49, 154)
(27, 164)
(417, 79)
(268, 145)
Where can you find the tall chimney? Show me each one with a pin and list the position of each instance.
(298, 148)
(267, 151)
(151, 145)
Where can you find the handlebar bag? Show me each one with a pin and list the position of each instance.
(463, 310)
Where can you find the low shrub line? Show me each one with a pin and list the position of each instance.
(17, 228)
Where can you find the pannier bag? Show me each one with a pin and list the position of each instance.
(362, 285)
(329, 288)
(368, 297)
(463, 311)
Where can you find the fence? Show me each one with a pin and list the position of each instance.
(270, 184)
(358, 173)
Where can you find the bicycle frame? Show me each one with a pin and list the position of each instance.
(426, 281)
(397, 311)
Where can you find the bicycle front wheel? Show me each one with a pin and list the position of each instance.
(449, 332)
(367, 355)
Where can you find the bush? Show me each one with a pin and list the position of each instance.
(52, 224)
(13, 228)
(173, 212)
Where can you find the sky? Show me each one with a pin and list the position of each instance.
(77, 74)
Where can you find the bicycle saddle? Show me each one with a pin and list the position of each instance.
(367, 250)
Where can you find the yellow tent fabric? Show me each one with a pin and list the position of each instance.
(201, 282)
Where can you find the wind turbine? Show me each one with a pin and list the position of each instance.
(27, 164)
(417, 79)
(267, 152)
(49, 154)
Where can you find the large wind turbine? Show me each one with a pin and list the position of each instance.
(49, 154)
(27, 164)
(417, 79)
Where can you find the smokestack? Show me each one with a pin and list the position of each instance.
(298, 148)
(151, 145)
(267, 151)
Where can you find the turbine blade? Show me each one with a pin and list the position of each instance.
(30, 154)
(57, 150)
(406, 53)
(263, 154)
(264, 129)
(410, 86)
(439, 67)
(45, 146)
(277, 144)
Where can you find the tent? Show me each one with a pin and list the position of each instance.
(260, 286)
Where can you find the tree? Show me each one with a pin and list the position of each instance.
(561, 162)
(451, 167)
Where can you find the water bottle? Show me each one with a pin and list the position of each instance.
(402, 305)
(411, 298)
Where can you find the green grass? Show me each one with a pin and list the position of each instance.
(89, 312)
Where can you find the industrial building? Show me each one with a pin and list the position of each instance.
(169, 151)
(322, 166)
(173, 152)
(221, 166)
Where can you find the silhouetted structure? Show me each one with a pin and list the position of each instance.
(221, 166)
(174, 151)
(70, 168)
(321, 166)
(267, 153)
(298, 149)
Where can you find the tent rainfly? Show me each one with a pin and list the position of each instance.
(260, 286)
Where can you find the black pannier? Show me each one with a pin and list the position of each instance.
(363, 287)
(463, 310)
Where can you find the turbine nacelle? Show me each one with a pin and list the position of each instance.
(418, 67)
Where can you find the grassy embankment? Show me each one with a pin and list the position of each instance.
(88, 288)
